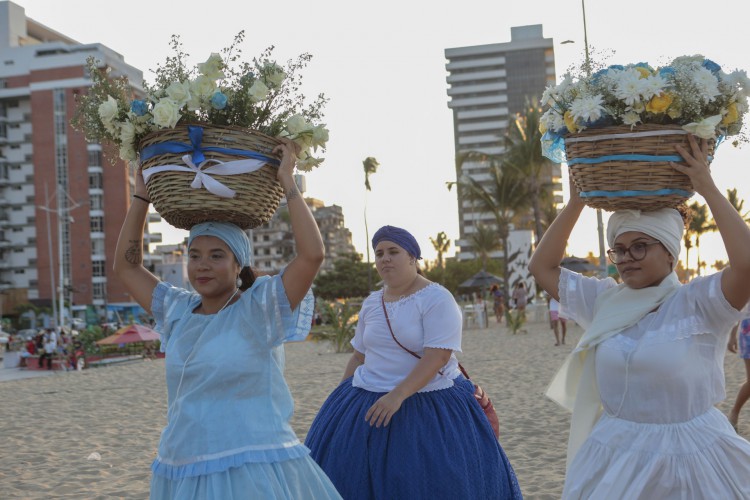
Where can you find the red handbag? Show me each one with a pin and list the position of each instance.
(480, 396)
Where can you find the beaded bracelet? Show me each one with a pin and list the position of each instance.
(142, 198)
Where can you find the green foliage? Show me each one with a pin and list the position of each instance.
(88, 338)
(348, 278)
(340, 323)
(515, 320)
(457, 271)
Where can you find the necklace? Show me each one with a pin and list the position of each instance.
(228, 301)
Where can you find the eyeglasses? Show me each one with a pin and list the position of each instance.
(637, 251)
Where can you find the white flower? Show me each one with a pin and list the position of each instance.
(258, 91)
(166, 113)
(179, 92)
(653, 85)
(552, 120)
(108, 110)
(587, 109)
(212, 67)
(631, 118)
(202, 87)
(127, 133)
(705, 129)
(628, 85)
(273, 74)
(738, 80)
(319, 136)
(308, 163)
(706, 83)
(297, 124)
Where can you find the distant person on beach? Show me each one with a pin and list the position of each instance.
(520, 297)
(404, 422)
(498, 303)
(652, 355)
(228, 434)
(740, 338)
(557, 323)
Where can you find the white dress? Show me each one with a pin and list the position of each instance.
(660, 436)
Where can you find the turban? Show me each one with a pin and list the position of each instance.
(232, 235)
(665, 225)
(401, 237)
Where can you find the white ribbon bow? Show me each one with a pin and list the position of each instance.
(203, 175)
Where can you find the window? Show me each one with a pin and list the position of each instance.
(99, 290)
(97, 224)
(95, 158)
(97, 247)
(95, 180)
(96, 202)
(97, 268)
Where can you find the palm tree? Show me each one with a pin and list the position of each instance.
(699, 224)
(485, 241)
(503, 196)
(737, 204)
(370, 165)
(441, 244)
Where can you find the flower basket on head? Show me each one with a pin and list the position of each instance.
(619, 167)
(205, 135)
(197, 173)
(617, 128)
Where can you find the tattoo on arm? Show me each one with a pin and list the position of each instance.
(292, 194)
(134, 254)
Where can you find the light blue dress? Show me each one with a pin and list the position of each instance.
(228, 433)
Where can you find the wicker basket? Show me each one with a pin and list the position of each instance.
(617, 168)
(257, 193)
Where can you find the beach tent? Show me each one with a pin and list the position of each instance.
(129, 334)
(578, 265)
(482, 279)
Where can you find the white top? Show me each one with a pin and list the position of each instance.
(429, 317)
(554, 305)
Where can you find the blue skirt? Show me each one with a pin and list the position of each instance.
(439, 444)
(294, 479)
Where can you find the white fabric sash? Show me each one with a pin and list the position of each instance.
(203, 175)
(574, 387)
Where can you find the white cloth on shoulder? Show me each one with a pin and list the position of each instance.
(574, 386)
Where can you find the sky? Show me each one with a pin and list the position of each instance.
(382, 65)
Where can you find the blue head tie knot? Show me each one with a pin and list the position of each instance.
(229, 233)
(400, 237)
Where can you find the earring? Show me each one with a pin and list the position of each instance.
(238, 282)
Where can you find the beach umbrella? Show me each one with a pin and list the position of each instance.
(482, 279)
(578, 265)
(129, 334)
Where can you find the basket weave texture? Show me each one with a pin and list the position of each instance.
(629, 183)
(257, 193)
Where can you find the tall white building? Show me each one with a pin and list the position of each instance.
(488, 85)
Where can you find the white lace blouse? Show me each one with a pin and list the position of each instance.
(667, 368)
(428, 318)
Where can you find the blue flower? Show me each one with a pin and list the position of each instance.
(140, 108)
(644, 65)
(711, 66)
(617, 66)
(218, 100)
(666, 71)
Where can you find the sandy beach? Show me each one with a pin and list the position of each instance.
(52, 425)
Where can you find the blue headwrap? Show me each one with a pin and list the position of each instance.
(401, 237)
(232, 235)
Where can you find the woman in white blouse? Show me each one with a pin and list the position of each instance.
(643, 380)
(404, 422)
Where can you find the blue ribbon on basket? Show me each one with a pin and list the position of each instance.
(195, 162)
(195, 133)
(630, 193)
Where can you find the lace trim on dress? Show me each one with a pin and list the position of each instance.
(405, 299)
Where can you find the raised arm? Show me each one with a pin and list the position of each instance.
(300, 273)
(545, 262)
(128, 266)
(735, 279)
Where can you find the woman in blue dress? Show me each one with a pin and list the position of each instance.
(404, 423)
(228, 434)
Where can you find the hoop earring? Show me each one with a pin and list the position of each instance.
(238, 282)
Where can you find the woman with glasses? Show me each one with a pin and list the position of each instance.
(643, 381)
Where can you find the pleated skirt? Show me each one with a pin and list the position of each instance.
(294, 479)
(439, 444)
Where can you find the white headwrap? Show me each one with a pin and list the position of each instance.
(665, 225)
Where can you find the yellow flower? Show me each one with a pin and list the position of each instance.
(659, 103)
(645, 73)
(570, 122)
(731, 116)
(542, 128)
